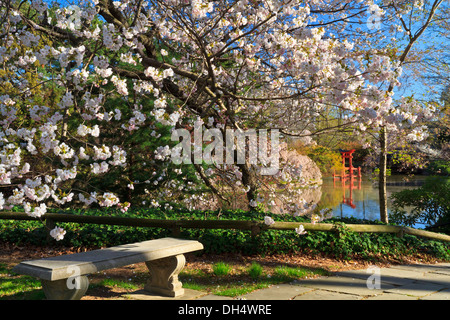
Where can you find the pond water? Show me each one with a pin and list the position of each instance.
(360, 199)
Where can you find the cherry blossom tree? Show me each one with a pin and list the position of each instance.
(174, 65)
(403, 120)
(382, 121)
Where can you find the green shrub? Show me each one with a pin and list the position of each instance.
(326, 159)
(221, 269)
(255, 270)
(429, 205)
(439, 167)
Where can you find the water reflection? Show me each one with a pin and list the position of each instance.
(359, 198)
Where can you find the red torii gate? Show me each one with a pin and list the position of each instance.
(347, 154)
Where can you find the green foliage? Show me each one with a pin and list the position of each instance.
(14, 286)
(326, 159)
(439, 167)
(430, 204)
(289, 273)
(407, 159)
(255, 270)
(144, 176)
(112, 283)
(221, 269)
(375, 176)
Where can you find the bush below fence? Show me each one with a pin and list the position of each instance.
(341, 242)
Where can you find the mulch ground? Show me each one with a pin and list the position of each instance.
(11, 255)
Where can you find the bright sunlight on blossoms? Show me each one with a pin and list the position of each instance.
(92, 92)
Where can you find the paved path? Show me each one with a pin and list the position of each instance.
(403, 282)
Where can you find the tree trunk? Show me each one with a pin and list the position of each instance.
(382, 176)
(249, 179)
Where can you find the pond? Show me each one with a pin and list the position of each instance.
(360, 199)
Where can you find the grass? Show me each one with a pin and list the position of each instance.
(116, 283)
(238, 281)
(20, 287)
(221, 269)
(255, 270)
(223, 280)
(14, 286)
(284, 272)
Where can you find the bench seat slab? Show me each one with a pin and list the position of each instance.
(65, 266)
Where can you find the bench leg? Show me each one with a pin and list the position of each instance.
(62, 290)
(164, 276)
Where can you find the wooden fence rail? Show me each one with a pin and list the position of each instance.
(254, 226)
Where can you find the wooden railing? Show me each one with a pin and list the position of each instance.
(254, 226)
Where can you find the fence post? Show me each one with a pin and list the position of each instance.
(255, 229)
(49, 225)
(176, 230)
(401, 233)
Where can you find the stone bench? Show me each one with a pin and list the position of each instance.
(65, 277)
